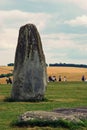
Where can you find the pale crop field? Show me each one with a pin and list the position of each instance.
(71, 73)
(5, 70)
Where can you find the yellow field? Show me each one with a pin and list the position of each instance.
(5, 70)
(72, 73)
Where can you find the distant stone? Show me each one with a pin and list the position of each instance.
(29, 78)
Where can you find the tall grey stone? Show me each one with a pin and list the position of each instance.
(29, 78)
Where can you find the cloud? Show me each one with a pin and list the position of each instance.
(58, 47)
(43, 1)
(10, 22)
(64, 47)
(8, 39)
(4, 2)
(81, 3)
(78, 21)
(16, 17)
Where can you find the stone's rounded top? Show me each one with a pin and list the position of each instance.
(28, 26)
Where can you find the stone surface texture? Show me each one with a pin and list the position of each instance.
(75, 115)
(29, 78)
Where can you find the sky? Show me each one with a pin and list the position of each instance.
(62, 25)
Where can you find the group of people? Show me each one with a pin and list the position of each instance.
(50, 79)
(53, 78)
(59, 79)
(9, 80)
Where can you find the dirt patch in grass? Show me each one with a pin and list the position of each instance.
(64, 100)
(2, 97)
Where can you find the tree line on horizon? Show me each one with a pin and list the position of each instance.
(68, 65)
(50, 65)
(60, 65)
(6, 75)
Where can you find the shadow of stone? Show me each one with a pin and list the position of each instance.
(46, 123)
(9, 99)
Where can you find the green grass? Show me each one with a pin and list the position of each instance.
(58, 95)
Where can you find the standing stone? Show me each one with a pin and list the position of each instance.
(29, 78)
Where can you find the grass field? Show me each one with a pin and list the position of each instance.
(58, 95)
(71, 73)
